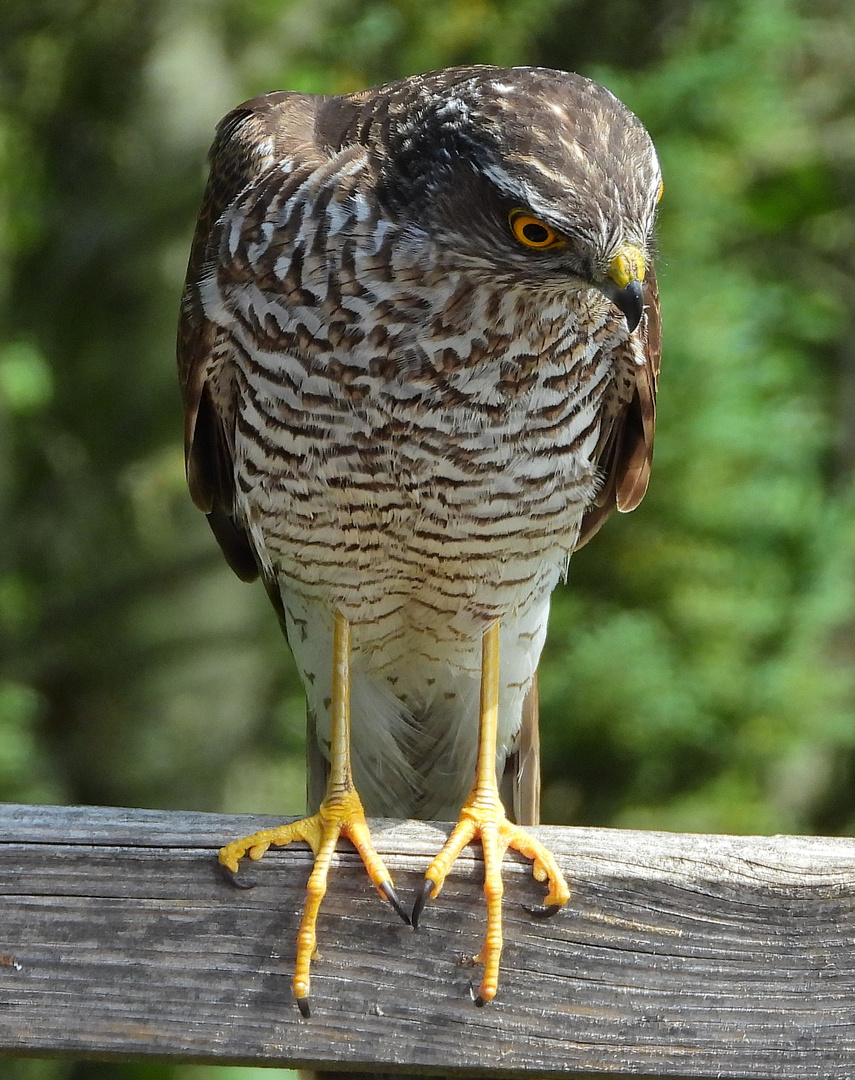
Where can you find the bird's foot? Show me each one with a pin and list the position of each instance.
(483, 816)
(340, 814)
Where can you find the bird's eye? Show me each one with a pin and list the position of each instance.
(532, 232)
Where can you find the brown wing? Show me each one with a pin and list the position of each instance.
(249, 139)
(628, 453)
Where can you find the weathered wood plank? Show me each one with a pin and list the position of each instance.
(678, 955)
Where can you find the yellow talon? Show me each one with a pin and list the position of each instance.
(340, 814)
(483, 816)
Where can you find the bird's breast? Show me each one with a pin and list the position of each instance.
(436, 446)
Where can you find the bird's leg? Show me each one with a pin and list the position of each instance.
(340, 814)
(484, 816)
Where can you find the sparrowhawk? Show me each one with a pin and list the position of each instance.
(419, 350)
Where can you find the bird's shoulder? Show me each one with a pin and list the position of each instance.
(249, 140)
(260, 132)
(258, 145)
(626, 451)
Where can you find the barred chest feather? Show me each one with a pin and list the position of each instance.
(415, 445)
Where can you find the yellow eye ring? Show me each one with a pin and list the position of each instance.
(532, 232)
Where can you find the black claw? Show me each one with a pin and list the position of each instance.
(233, 879)
(392, 897)
(543, 912)
(303, 1006)
(479, 1002)
(422, 897)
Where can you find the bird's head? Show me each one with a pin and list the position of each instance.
(527, 174)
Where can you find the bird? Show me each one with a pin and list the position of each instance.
(419, 352)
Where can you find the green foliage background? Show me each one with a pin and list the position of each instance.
(698, 673)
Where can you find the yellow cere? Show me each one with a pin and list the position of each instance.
(628, 265)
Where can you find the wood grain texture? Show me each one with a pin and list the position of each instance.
(678, 955)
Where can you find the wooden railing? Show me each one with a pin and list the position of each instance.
(678, 955)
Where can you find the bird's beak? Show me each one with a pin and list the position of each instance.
(623, 287)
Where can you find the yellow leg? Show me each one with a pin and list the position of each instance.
(340, 814)
(483, 816)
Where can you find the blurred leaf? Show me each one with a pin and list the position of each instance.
(26, 385)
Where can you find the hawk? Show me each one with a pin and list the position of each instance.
(419, 350)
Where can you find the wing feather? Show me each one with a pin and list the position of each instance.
(520, 783)
(628, 452)
(249, 140)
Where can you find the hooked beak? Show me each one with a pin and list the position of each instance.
(623, 287)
